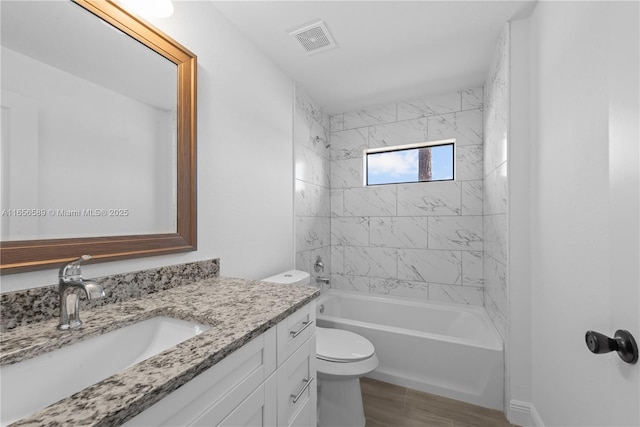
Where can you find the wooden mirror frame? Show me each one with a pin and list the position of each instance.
(28, 255)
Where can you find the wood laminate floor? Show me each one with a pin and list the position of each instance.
(388, 405)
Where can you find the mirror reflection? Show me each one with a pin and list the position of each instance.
(88, 127)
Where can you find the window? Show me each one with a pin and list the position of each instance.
(422, 162)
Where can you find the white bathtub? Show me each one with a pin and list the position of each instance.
(451, 350)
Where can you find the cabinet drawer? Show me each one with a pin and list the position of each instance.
(297, 383)
(295, 330)
(233, 378)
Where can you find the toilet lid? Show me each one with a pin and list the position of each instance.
(337, 345)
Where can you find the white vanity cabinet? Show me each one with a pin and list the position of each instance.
(255, 385)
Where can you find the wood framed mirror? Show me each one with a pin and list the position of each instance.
(39, 253)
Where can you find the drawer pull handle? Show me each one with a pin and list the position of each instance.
(296, 397)
(305, 325)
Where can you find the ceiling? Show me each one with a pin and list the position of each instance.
(387, 50)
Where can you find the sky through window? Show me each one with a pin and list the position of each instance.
(402, 165)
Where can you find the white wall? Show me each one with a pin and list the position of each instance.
(518, 363)
(245, 168)
(571, 286)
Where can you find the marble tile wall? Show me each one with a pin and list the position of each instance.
(39, 304)
(495, 183)
(312, 197)
(420, 240)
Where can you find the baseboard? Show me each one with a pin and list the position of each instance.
(523, 414)
(537, 421)
(519, 413)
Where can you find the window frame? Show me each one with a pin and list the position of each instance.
(404, 147)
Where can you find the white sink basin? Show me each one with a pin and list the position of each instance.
(36, 383)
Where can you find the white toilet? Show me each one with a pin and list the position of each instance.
(343, 357)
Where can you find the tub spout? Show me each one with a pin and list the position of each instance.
(323, 279)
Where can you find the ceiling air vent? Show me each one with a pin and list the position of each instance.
(314, 37)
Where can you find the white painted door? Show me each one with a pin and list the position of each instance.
(586, 257)
(619, 382)
(624, 199)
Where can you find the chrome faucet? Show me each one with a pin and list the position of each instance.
(323, 279)
(69, 283)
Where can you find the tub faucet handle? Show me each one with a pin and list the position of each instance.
(319, 265)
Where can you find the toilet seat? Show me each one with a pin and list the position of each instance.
(340, 346)
(342, 354)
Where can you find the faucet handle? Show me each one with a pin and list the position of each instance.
(71, 270)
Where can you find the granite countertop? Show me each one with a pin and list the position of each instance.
(238, 310)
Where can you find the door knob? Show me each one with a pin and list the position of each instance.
(622, 342)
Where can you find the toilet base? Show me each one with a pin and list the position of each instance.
(339, 402)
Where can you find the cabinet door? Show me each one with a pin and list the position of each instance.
(297, 387)
(293, 331)
(257, 410)
(306, 416)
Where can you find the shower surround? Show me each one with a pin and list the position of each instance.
(496, 185)
(311, 193)
(419, 240)
(439, 241)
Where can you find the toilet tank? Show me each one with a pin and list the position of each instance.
(291, 277)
